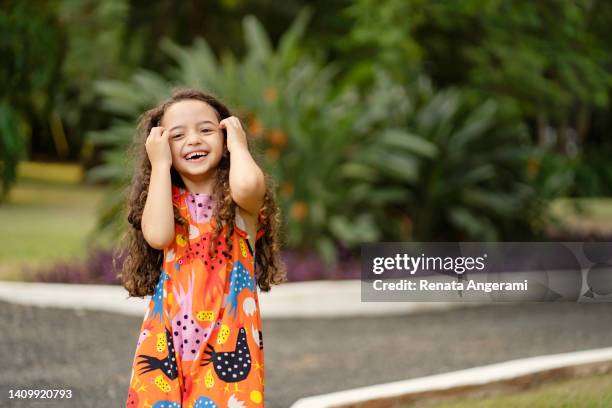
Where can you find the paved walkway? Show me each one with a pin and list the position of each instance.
(289, 300)
(91, 352)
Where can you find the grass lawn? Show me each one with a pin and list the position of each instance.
(47, 217)
(582, 215)
(587, 392)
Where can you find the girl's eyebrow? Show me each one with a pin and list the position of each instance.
(199, 123)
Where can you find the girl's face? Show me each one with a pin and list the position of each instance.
(194, 128)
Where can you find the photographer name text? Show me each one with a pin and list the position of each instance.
(426, 285)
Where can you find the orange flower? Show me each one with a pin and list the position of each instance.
(299, 210)
(277, 137)
(287, 188)
(255, 126)
(533, 167)
(270, 94)
(406, 227)
(272, 154)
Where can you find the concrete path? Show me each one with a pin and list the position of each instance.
(91, 352)
(297, 299)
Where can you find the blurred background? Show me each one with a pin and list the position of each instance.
(427, 121)
(393, 120)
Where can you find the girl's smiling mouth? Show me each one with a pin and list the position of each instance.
(196, 156)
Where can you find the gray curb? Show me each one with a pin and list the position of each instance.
(507, 375)
(315, 299)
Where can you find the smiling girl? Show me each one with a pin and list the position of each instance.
(203, 237)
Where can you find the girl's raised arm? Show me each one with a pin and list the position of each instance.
(158, 216)
(246, 179)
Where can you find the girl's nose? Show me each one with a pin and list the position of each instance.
(193, 138)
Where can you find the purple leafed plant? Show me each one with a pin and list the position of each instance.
(309, 266)
(63, 271)
(97, 268)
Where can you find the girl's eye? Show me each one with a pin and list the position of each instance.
(206, 130)
(175, 136)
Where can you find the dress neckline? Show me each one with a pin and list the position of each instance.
(185, 191)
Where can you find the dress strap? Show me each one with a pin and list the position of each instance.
(176, 194)
(260, 233)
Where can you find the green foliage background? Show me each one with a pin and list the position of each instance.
(380, 120)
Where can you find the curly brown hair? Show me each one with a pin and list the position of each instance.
(141, 268)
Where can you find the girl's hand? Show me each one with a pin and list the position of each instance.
(235, 133)
(158, 148)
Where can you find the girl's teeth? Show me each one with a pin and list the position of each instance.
(196, 156)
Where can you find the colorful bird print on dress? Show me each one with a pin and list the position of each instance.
(187, 331)
(201, 322)
(231, 366)
(146, 332)
(239, 280)
(158, 306)
(166, 404)
(204, 402)
(167, 365)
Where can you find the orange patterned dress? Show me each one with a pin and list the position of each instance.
(200, 344)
